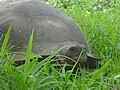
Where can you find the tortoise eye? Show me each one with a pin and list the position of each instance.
(73, 49)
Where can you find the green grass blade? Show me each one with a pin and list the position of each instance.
(4, 45)
(42, 81)
(78, 59)
(28, 55)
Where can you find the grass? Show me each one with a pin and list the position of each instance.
(101, 28)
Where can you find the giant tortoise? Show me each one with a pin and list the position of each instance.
(53, 30)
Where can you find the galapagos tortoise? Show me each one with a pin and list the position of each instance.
(53, 30)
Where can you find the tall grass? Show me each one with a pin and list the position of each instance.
(101, 28)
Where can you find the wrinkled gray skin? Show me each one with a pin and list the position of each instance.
(53, 30)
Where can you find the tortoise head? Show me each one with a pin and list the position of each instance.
(79, 52)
